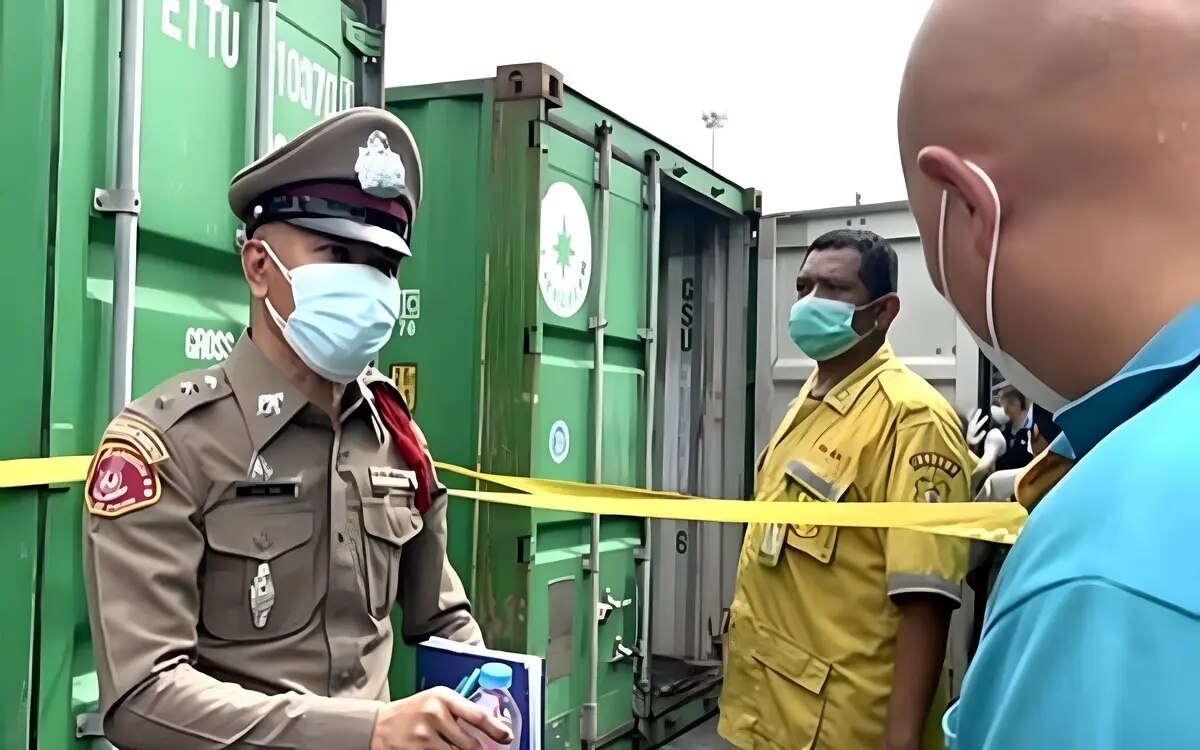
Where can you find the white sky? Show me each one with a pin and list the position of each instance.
(810, 86)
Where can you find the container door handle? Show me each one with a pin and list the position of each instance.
(605, 608)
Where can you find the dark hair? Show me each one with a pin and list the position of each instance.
(877, 259)
(1009, 391)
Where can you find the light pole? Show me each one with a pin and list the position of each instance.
(714, 121)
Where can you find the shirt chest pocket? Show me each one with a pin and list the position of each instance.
(389, 521)
(822, 480)
(261, 577)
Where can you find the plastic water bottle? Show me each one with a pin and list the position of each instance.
(495, 682)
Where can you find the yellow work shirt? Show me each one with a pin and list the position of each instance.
(812, 638)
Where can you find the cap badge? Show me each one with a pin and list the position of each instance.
(380, 170)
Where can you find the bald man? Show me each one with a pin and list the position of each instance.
(1052, 154)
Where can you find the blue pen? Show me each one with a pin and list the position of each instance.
(467, 686)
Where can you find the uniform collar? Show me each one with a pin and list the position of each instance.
(1161, 364)
(269, 400)
(843, 396)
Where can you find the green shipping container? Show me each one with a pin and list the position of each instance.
(579, 307)
(80, 79)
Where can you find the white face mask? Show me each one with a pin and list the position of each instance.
(1017, 373)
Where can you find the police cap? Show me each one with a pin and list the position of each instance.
(355, 176)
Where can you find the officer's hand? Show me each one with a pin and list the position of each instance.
(430, 720)
(975, 428)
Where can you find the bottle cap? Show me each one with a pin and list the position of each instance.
(495, 676)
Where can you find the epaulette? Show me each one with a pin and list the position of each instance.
(173, 399)
(372, 377)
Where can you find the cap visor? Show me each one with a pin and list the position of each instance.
(347, 229)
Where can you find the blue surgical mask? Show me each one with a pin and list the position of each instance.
(823, 328)
(344, 315)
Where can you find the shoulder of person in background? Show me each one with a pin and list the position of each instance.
(1043, 419)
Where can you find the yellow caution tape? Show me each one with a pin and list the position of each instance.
(991, 522)
(33, 472)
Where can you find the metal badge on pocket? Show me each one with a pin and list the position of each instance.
(772, 544)
(262, 596)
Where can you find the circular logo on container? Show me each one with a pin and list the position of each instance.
(560, 441)
(565, 260)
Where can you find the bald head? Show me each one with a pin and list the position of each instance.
(1086, 117)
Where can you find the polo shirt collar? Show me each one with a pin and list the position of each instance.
(1158, 367)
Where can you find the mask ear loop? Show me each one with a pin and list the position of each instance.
(942, 248)
(991, 272)
(287, 275)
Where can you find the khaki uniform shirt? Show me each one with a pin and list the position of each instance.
(242, 556)
(813, 625)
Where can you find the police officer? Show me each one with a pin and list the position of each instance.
(249, 526)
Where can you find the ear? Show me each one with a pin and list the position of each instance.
(963, 184)
(256, 267)
(889, 308)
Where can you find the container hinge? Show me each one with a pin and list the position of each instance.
(641, 554)
(89, 725)
(586, 561)
(533, 340)
(587, 722)
(363, 39)
(117, 201)
(535, 134)
(602, 168)
(646, 334)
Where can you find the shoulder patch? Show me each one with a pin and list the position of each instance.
(173, 399)
(122, 477)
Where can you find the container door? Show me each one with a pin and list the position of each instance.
(29, 40)
(591, 238)
(197, 130)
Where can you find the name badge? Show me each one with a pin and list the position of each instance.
(385, 478)
(771, 547)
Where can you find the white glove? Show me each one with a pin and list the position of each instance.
(994, 446)
(975, 425)
(999, 487)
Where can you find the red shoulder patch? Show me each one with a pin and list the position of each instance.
(121, 480)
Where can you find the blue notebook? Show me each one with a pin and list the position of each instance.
(445, 663)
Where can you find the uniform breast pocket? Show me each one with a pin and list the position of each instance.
(260, 569)
(817, 481)
(389, 520)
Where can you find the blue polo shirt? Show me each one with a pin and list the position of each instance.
(1092, 639)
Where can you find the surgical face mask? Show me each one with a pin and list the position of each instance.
(344, 315)
(823, 328)
(1021, 377)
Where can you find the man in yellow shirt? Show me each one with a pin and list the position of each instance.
(838, 635)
